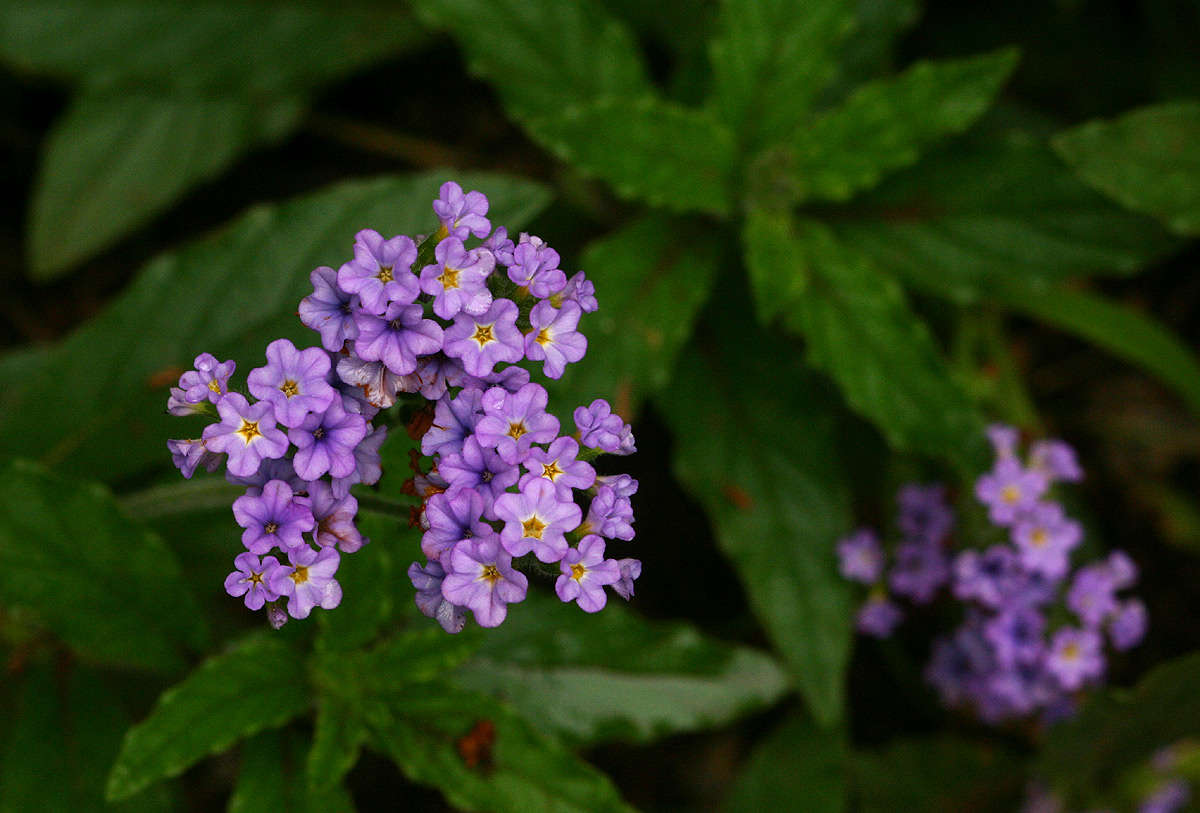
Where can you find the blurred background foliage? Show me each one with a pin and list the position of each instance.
(830, 240)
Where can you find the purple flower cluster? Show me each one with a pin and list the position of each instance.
(417, 321)
(1034, 631)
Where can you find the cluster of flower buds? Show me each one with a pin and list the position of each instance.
(409, 322)
(1007, 659)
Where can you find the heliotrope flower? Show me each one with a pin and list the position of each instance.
(325, 442)
(553, 338)
(513, 422)
(923, 513)
(481, 470)
(580, 290)
(1075, 657)
(920, 569)
(599, 427)
(450, 517)
(1008, 490)
(367, 465)
(453, 420)
(428, 583)
(535, 267)
(307, 581)
(208, 381)
(860, 558)
(481, 578)
(585, 572)
(631, 571)
(462, 214)
(878, 617)
(246, 433)
(1092, 596)
(557, 464)
(381, 271)
(483, 341)
(1045, 538)
(397, 337)
(252, 579)
(458, 280)
(294, 381)
(190, 454)
(335, 518)
(1127, 626)
(276, 518)
(537, 519)
(329, 310)
(609, 515)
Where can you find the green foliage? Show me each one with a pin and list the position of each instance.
(755, 444)
(647, 149)
(614, 676)
(886, 124)
(861, 332)
(1146, 159)
(230, 294)
(366, 578)
(652, 278)
(172, 94)
(108, 587)
(798, 760)
(272, 779)
(936, 774)
(258, 684)
(1119, 729)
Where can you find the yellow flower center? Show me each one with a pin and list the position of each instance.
(1039, 537)
(1010, 494)
(1071, 651)
(552, 471)
(515, 430)
(533, 527)
(385, 274)
(214, 386)
(490, 574)
(544, 336)
(254, 578)
(577, 572)
(271, 527)
(483, 335)
(290, 388)
(300, 575)
(249, 430)
(449, 278)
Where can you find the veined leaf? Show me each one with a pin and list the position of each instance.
(272, 779)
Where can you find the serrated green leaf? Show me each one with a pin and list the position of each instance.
(1118, 729)
(652, 278)
(415, 655)
(860, 331)
(106, 585)
(1147, 159)
(777, 280)
(887, 124)
(259, 684)
(570, 50)
(798, 760)
(993, 208)
(937, 774)
(755, 444)
(95, 403)
(647, 149)
(615, 676)
(272, 779)
(770, 59)
(515, 770)
(116, 159)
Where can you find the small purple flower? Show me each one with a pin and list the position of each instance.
(458, 280)
(309, 581)
(246, 433)
(462, 215)
(373, 379)
(188, 455)
(513, 422)
(335, 518)
(631, 570)
(878, 617)
(558, 465)
(1121, 569)
(1016, 635)
(252, 579)
(536, 519)
(329, 310)
(553, 337)
(277, 517)
(1056, 460)
(397, 337)
(860, 558)
(438, 373)
(1075, 657)
(294, 382)
(209, 381)
(585, 572)
(1008, 490)
(325, 442)
(924, 514)
(1168, 797)
(499, 244)
(367, 464)
(279, 468)
(622, 484)
(1045, 537)
(535, 267)
(579, 290)
(276, 616)
(381, 271)
(485, 340)
(1092, 595)
(599, 427)
(510, 379)
(609, 515)
(991, 577)
(1004, 440)
(179, 405)
(450, 517)
(479, 470)
(428, 583)
(1127, 627)
(919, 571)
(453, 420)
(480, 577)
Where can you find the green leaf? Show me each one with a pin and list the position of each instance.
(366, 579)
(338, 736)
(615, 676)
(1121, 728)
(993, 208)
(416, 655)
(117, 159)
(1127, 334)
(937, 774)
(647, 149)
(770, 58)
(755, 444)
(259, 684)
(887, 124)
(107, 586)
(652, 277)
(1146, 159)
(798, 760)
(96, 401)
(861, 331)
(569, 50)
(515, 770)
(272, 779)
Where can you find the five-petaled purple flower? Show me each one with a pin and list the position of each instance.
(481, 578)
(585, 572)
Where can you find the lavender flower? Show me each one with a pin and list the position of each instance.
(381, 271)
(860, 557)
(585, 572)
(209, 381)
(397, 337)
(308, 582)
(458, 280)
(428, 583)
(246, 433)
(480, 577)
(329, 310)
(537, 519)
(553, 338)
(252, 579)
(487, 339)
(294, 382)
(277, 518)
(462, 215)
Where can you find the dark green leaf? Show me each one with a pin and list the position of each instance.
(229, 294)
(647, 149)
(106, 585)
(887, 124)
(937, 775)
(515, 770)
(770, 58)
(116, 159)
(799, 760)
(755, 444)
(542, 55)
(871, 49)
(259, 684)
(422, 653)
(994, 208)
(338, 735)
(861, 332)
(1118, 729)
(366, 578)
(652, 277)
(1147, 159)
(613, 675)
(272, 779)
